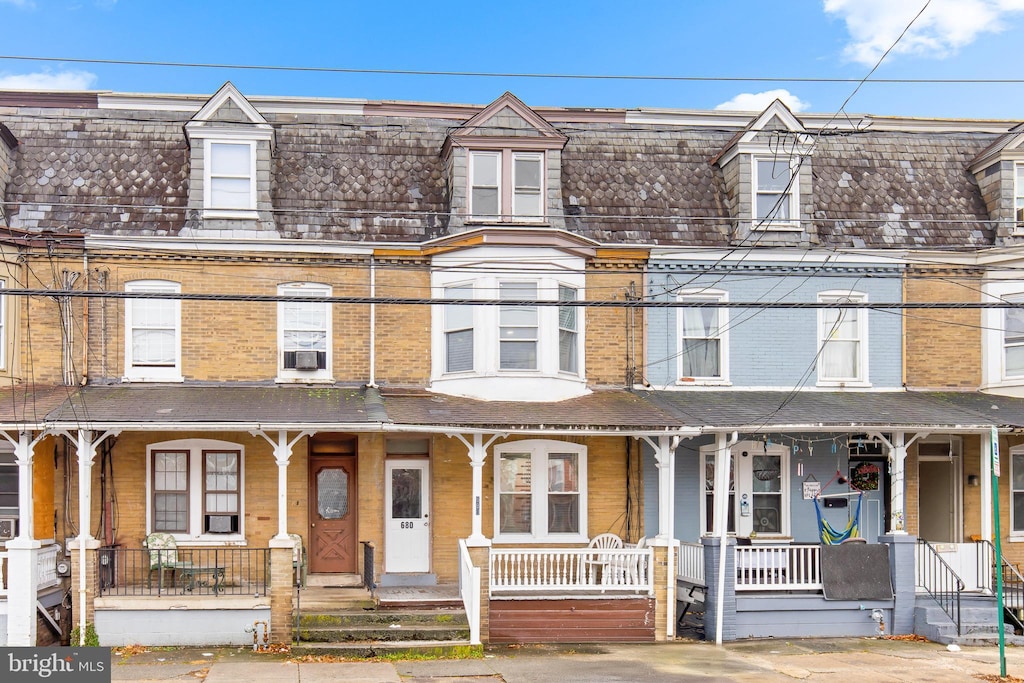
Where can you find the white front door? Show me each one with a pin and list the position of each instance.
(407, 510)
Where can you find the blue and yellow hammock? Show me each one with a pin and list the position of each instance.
(831, 536)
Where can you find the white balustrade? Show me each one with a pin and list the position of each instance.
(690, 567)
(46, 566)
(469, 588)
(786, 567)
(3, 575)
(571, 570)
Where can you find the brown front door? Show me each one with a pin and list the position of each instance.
(332, 515)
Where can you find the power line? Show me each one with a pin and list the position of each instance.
(511, 74)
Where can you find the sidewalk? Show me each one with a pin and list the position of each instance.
(845, 659)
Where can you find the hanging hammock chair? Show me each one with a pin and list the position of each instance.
(828, 534)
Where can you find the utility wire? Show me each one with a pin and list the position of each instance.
(508, 74)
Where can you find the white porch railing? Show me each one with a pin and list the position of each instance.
(789, 567)
(469, 588)
(46, 566)
(690, 567)
(3, 575)
(571, 570)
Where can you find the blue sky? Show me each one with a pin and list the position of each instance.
(959, 39)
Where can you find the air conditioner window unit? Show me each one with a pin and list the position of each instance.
(306, 360)
(8, 528)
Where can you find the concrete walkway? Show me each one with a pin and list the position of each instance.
(850, 660)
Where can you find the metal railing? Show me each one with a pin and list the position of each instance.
(1013, 587)
(469, 589)
(690, 567)
(778, 568)
(939, 580)
(571, 570)
(184, 571)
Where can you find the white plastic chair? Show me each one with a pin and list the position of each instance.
(606, 561)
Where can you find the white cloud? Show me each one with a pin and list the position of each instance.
(943, 28)
(757, 101)
(43, 80)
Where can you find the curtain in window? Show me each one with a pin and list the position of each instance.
(840, 347)
(701, 347)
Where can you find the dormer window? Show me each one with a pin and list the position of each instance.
(229, 176)
(507, 185)
(775, 201)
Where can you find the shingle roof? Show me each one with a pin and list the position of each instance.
(836, 409)
(31, 403)
(605, 410)
(381, 178)
(179, 403)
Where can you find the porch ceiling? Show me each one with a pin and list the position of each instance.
(765, 410)
(185, 405)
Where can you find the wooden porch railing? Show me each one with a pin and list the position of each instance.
(571, 570)
(783, 567)
(469, 588)
(690, 567)
(46, 566)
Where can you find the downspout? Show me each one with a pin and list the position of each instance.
(722, 519)
(373, 324)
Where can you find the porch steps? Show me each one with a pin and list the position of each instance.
(979, 623)
(418, 622)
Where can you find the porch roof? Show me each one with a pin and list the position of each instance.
(602, 411)
(823, 410)
(30, 403)
(194, 406)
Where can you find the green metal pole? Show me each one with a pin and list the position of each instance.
(999, 551)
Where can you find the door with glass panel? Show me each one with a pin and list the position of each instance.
(333, 530)
(407, 510)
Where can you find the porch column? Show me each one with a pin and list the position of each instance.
(282, 455)
(898, 520)
(22, 553)
(986, 487)
(723, 456)
(665, 589)
(477, 456)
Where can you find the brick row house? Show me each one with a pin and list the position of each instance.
(226, 327)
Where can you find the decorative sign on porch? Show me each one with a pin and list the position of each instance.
(812, 487)
(864, 477)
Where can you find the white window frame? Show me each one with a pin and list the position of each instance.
(762, 223)
(539, 451)
(211, 211)
(833, 296)
(311, 289)
(9, 463)
(450, 328)
(1003, 328)
(3, 325)
(151, 373)
(1018, 195)
(1015, 533)
(508, 188)
(196, 490)
(569, 363)
(521, 331)
(700, 295)
(743, 478)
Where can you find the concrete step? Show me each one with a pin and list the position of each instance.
(362, 626)
(374, 619)
(393, 649)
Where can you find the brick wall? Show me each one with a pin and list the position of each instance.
(943, 346)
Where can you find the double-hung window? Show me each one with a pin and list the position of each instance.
(1017, 492)
(153, 332)
(518, 333)
(506, 186)
(774, 192)
(568, 332)
(842, 339)
(304, 329)
(196, 489)
(703, 338)
(1013, 339)
(541, 491)
(458, 330)
(230, 176)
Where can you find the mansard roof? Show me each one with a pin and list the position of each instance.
(361, 171)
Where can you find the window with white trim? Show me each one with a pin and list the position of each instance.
(758, 489)
(304, 332)
(1017, 492)
(506, 186)
(568, 332)
(703, 338)
(195, 489)
(3, 325)
(1018, 194)
(541, 491)
(518, 327)
(1013, 339)
(458, 330)
(775, 192)
(842, 339)
(229, 180)
(153, 332)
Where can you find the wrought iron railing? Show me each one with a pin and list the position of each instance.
(939, 580)
(1013, 588)
(184, 571)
